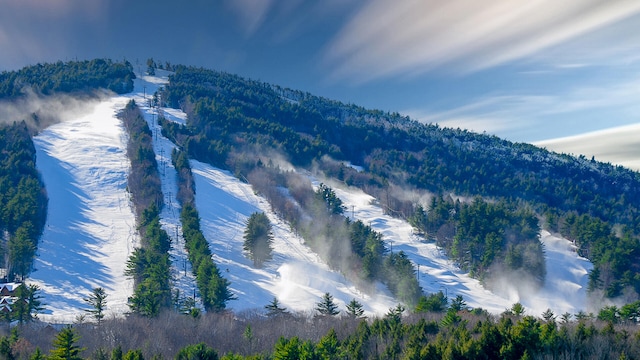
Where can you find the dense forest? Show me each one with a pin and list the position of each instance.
(23, 201)
(231, 120)
(68, 77)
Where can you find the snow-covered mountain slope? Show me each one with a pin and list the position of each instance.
(90, 228)
(565, 284)
(90, 231)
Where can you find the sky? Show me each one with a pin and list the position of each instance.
(525, 71)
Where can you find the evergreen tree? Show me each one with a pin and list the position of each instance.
(258, 238)
(354, 309)
(436, 302)
(37, 355)
(197, 352)
(326, 306)
(21, 252)
(133, 355)
(98, 301)
(274, 308)
(328, 347)
(64, 346)
(27, 303)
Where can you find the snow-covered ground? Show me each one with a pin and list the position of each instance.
(90, 231)
(565, 285)
(295, 275)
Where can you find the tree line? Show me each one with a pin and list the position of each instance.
(149, 265)
(68, 77)
(455, 332)
(23, 201)
(214, 288)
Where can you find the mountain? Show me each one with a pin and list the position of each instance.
(247, 140)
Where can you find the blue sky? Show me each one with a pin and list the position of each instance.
(525, 71)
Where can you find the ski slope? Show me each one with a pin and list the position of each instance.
(565, 288)
(90, 228)
(90, 231)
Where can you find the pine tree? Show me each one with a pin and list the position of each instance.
(27, 304)
(258, 239)
(197, 351)
(274, 309)
(64, 346)
(326, 306)
(98, 301)
(37, 355)
(354, 309)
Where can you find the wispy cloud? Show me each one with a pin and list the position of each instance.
(33, 29)
(533, 117)
(408, 37)
(251, 13)
(619, 145)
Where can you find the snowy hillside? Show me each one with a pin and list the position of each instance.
(565, 285)
(90, 231)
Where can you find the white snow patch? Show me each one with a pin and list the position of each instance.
(90, 229)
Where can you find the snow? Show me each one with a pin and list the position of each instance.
(90, 228)
(90, 231)
(295, 275)
(565, 285)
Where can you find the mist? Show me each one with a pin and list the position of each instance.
(40, 111)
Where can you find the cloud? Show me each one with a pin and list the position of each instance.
(497, 114)
(32, 30)
(409, 37)
(251, 13)
(588, 105)
(618, 145)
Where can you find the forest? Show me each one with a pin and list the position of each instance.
(23, 201)
(68, 77)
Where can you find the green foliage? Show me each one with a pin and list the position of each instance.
(197, 352)
(258, 238)
(616, 259)
(149, 266)
(436, 302)
(214, 288)
(27, 303)
(68, 77)
(274, 308)
(64, 346)
(332, 201)
(326, 306)
(143, 181)
(485, 238)
(354, 309)
(23, 200)
(228, 115)
(98, 302)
